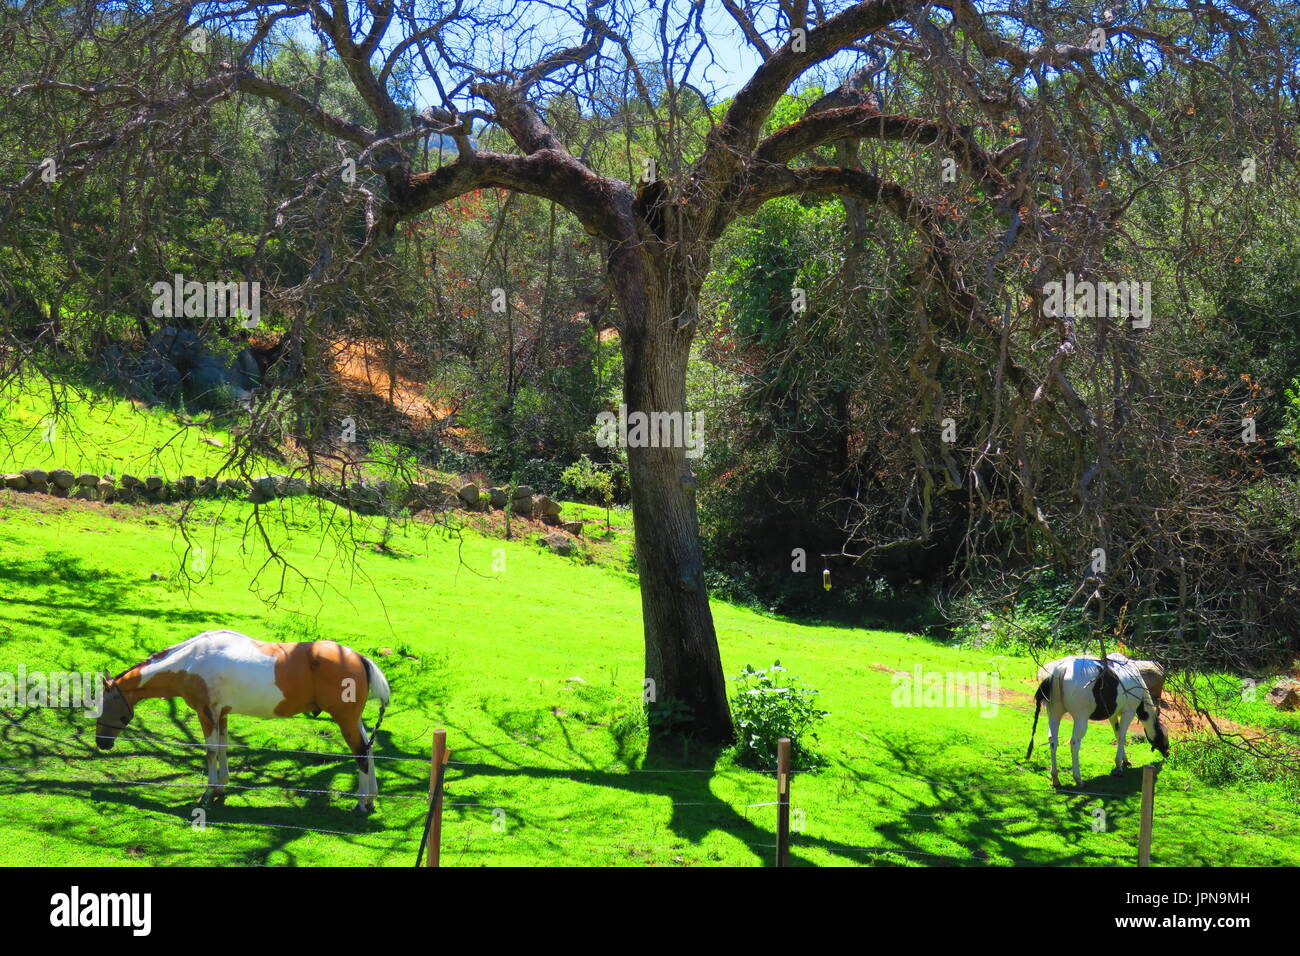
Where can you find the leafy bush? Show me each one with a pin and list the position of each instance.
(1288, 435)
(392, 462)
(1220, 765)
(670, 715)
(768, 707)
(542, 474)
(460, 463)
(1027, 623)
(735, 583)
(590, 482)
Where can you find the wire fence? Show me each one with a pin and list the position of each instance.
(11, 775)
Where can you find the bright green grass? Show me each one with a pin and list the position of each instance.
(488, 656)
(85, 429)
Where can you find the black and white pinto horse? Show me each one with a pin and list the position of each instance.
(1090, 689)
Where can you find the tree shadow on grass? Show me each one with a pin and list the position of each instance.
(997, 817)
(952, 822)
(907, 811)
(45, 757)
(76, 606)
(695, 813)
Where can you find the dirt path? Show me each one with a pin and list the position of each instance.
(363, 366)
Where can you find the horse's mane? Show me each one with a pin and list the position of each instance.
(154, 657)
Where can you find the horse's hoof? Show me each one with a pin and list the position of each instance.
(219, 799)
(1118, 772)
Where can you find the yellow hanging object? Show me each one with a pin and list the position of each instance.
(826, 578)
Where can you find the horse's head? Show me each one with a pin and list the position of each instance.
(115, 713)
(1158, 739)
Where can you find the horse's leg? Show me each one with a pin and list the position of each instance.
(1076, 738)
(355, 735)
(1053, 733)
(1121, 734)
(368, 775)
(223, 773)
(210, 739)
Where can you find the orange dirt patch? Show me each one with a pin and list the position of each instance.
(365, 367)
(1179, 716)
(1015, 699)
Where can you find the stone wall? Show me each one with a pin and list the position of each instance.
(363, 497)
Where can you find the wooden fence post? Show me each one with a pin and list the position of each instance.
(437, 767)
(783, 802)
(1148, 814)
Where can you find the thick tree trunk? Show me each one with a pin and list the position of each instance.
(681, 646)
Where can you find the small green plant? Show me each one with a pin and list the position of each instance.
(294, 628)
(588, 479)
(1288, 436)
(669, 715)
(392, 462)
(768, 706)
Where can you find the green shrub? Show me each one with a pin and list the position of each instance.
(393, 462)
(769, 706)
(1220, 765)
(460, 463)
(590, 482)
(670, 715)
(294, 628)
(1028, 623)
(541, 474)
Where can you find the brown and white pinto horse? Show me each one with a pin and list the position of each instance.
(225, 672)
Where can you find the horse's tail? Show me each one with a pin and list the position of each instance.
(1040, 695)
(380, 691)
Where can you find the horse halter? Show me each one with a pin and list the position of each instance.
(130, 711)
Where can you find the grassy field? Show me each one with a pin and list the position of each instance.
(65, 425)
(547, 769)
(534, 667)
